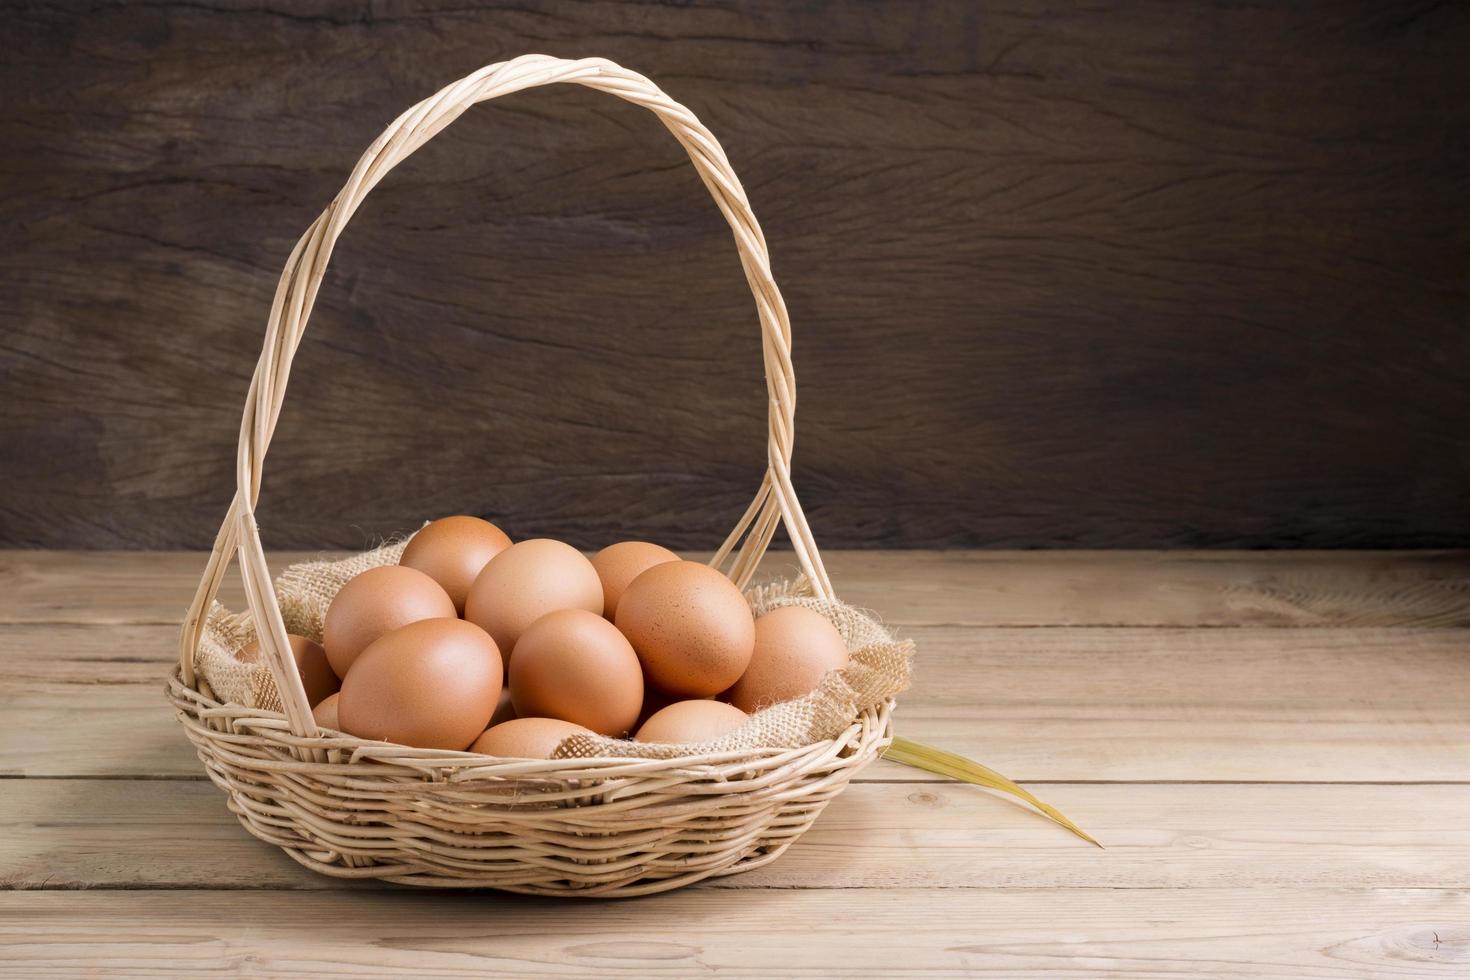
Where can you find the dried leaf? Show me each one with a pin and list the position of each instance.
(910, 753)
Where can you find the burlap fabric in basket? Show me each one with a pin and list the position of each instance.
(607, 817)
(879, 668)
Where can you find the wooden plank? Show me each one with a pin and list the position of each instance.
(1038, 704)
(1065, 275)
(137, 834)
(1040, 933)
(112, 587)
(982, 588)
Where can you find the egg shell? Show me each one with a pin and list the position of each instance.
(619, 564)
(690, 626)
(794, 649)
(574, 665)
(375, 603)
(325, 714)
(452, 551)
(317, 676)
(692, 721)
(526, 738)
(432, 684)
(525, 582)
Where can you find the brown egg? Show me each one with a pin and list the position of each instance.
(619, 564)
(431, 684)
(692, 721)
(311, 663)
(526, 738)
(794, 648)
(326, 714)
(574, 665)
(654, 701)
(690, 626)
(377, 602)
(505, 709)
(525, 582)
(452, 551)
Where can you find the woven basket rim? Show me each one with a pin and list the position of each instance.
(615, 829)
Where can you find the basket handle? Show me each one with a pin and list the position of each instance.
(775, 501)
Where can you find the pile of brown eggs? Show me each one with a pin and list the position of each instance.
(473, 643)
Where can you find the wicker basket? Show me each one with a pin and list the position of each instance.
(590, 827)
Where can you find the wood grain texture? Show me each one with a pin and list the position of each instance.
(979, 588)
(84, 833)
(1338, 849)
(1269, 705)
(1058, 934)
(1155, 274)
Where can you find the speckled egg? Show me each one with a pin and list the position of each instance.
(525, 582)
(432, 684)
(375, 603)
(691, 627)
(692, 721)
(574, 665)
(452, 551)
(619, 564)
(526, 738)
(794, 649)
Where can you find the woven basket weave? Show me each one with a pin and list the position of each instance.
(585, 826)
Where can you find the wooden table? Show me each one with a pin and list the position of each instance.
(1275, 749)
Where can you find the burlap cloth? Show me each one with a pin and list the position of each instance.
(879, 669)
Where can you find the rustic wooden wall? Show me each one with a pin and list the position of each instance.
(1168, 273)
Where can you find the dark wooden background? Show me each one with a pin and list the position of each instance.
(1132, 275)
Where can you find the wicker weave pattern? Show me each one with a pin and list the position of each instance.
(587, 826)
